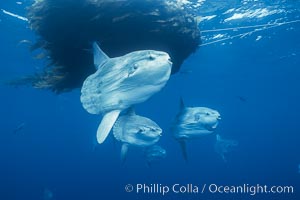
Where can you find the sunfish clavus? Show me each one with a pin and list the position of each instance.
(121, 82)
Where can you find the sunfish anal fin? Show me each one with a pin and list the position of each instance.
(124, 150)
(130, 111)
(99, 56)
(223, 157)
(106, 125)
(182, 143)
(149, 164)
(181, 106)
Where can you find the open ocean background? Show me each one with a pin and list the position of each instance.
(251, 78)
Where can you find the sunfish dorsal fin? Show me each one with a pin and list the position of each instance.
(99, 56)
(106, 124)
(218, 137)
(124, 150)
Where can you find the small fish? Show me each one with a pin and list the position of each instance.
(19, 128)
(241, 98)
(155, 154)
(135, 130)
(185, 72)
(223, 146)
(120, 18)
(194, 122)
(39, 44)
(122, 82)
(40, 56)
(25, 42)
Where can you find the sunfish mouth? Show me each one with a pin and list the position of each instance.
(214, 126)
(211, 128)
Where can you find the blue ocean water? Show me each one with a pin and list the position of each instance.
(249, 72)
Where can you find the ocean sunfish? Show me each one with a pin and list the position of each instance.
(224, 146)
(48, 194)
(193, 122)
(19, 128)
(122, 82)
(154, 154)
(135, 130)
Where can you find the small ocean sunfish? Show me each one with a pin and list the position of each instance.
(155, 154)
(224, 146)
(193, 122)
(48, 194)
(135, 130)
(122, 82)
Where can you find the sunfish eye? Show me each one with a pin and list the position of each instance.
(135, 66)
(152, 129)
(133, 69)
(207, 113)
(141, 130)
(151, 57)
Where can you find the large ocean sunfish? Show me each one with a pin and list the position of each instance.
(121, 82)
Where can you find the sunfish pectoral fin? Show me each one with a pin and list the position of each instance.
(124, 150)
(149, 164)
(182, 143)
(94, 145)
(224, 158)
(106, 125)
(99, 56)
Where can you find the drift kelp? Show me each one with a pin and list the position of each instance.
(66, 28)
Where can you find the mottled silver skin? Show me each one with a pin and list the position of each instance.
(224, 146)
(124, 81)
(136, 130)
(193, 122)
